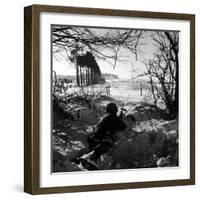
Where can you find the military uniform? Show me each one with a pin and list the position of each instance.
(102, 139)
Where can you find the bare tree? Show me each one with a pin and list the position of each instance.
(102, 43)
(162, 71)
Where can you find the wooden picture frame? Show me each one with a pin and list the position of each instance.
(32, 105)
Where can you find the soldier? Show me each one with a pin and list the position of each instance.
(102, 139)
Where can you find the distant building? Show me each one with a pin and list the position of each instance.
(109, 77)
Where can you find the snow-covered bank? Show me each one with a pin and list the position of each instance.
(150, 142)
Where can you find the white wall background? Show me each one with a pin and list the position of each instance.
(11, 99)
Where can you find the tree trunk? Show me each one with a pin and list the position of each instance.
(77, 75)
(177, 85)
(81, 77)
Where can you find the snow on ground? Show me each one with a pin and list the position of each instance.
(126, 92)
(150, 142)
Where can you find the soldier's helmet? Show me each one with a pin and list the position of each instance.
(111, 108)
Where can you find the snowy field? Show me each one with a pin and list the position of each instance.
(127, 91)
(122, 90)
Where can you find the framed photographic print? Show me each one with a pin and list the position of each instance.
(109, 99)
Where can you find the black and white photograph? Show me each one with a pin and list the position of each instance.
(114, 98)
